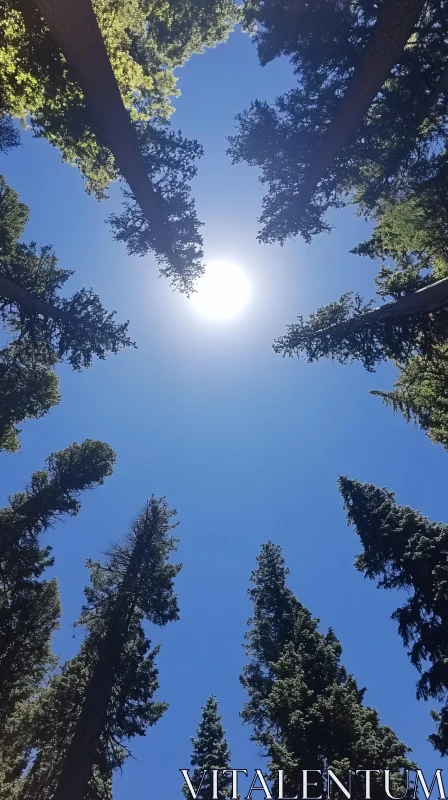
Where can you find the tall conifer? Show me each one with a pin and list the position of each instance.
(104, 696)
(402, 549)
(29, 605)
(210, 751)
(306, 711)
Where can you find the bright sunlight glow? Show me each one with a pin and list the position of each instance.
(222, 292)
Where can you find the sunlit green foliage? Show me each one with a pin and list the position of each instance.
(145, 41)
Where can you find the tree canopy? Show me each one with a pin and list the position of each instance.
(29, 605)
(43, 326)
(104, 696)
(396, 146)
(403, 550)
(145, 41)
(101, 77)
(411, 236)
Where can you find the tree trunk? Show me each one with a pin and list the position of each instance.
(78, 763)
(431, 298)
(75, 28)
(23, 298)
(393, 28)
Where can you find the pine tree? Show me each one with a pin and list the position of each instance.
(402, 549)
(145, 42)
(54, 491)
(104, 77)
(44, 328)
(104, 696)
(367, 118)
(29, 605)
(305, 710)
(420, 394)
(210, 751)
(411, 330)
(348, 329)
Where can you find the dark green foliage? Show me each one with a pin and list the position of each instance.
(73, 329)
(414, 233)
(402, 549)
(29, 605)
(27, 390)
(104, 696)
(395, 149)
(54, 491)
(305, 710)
(44, 328)
(9, 137)
(325, 334)
(126, 66)
(131, 710)
(420, 394)
(171, 164)
(210, 751)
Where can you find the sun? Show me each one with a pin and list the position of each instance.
(223, 291)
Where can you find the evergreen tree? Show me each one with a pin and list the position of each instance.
(347, 330)
(367, 118)
(104, 696)
(411, 330)
(210, 751)
(54, 491)
(44, 327)
(420, 394)
(305, 710)
(29, 606)
(402, 549)
(108, 67)
(28, 390)
(145, 41)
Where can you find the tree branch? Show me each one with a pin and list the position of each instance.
(74, 26)
(15, 293)
(392, 30)
(423, 301)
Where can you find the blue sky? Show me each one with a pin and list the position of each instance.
(246, 445)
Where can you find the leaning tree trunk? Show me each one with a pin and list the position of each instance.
(74, 26)
(393, 28)
(83, 748)
(431, 298)
(24, 299)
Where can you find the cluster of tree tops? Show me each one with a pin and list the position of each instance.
(65, 730)
(366, 124)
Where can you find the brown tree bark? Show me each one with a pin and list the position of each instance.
(74, 26)
(431, 298)
(393, 28)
